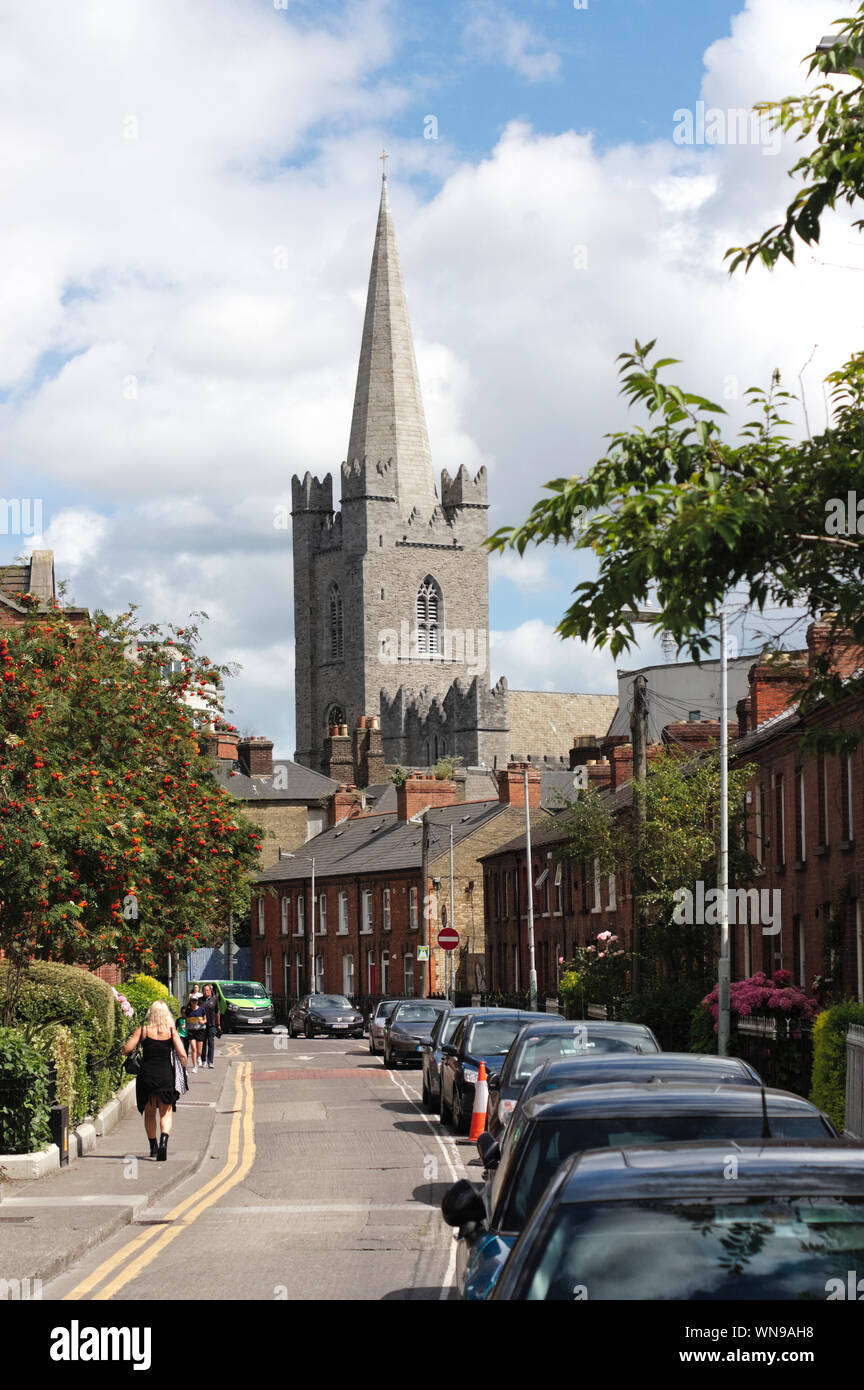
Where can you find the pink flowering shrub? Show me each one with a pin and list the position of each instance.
(775, 997)
(597, 974)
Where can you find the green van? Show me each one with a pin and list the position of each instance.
(243, 1004)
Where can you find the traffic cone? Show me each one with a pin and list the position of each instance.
(481, 1104)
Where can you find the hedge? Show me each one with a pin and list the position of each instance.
(142, 991)
(829, 1059)
(24, 1099)
(52, 994)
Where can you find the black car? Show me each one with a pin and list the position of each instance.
(409, 1028)
(703, 1068)
(545, 1039)
(433, 1056)
(669, 1223)
(484, 1035)
(332, 1014)
(552, 1129)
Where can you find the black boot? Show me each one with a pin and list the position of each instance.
(154, 1148)
(163, 1149)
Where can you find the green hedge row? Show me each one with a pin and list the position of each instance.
(829, 1058)
(144, 990)
(24, 1102)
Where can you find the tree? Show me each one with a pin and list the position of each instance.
(676, 508)
(116, 842)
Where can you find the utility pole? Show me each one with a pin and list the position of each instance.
(724, 964)
(453, 925)
(427, 903)
(230, 945)
(639, 731)
(532, 966)
(312, 984)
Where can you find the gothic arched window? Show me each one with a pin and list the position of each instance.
(336, 643)
(429, 617)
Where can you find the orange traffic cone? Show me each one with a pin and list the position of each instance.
(481, 1104)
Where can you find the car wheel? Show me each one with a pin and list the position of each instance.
(457, 1115)
(444, 1111)
(309, 1029)
(371, 1045)
(290, 1028)
(427, 1095)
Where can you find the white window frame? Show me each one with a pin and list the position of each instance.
(348, 975)
(595, 907)
(803, 815)
(284, 908)
(613, 898)
(261, 922)
(385, 898)
(408, 975)
(321, 924)
(849, 820)
(385, 971)
(366, 923)
(268, 973)
(343, 913)
(300, 924)
(413, 913)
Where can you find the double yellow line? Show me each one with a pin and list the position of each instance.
(129, 1262)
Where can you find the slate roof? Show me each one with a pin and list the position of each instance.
(293, 783)
(376, 843)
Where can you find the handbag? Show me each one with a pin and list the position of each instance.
(181, 1081)
(132, 1064)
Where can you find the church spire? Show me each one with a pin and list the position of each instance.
(388, 420)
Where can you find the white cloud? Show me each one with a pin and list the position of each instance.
(494, 34)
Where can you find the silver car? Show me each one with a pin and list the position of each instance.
(378, 1018)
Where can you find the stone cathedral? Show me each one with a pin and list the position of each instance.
(391, 590)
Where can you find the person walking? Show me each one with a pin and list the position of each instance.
(155, 1085)
(214, 1025)
(196, 1025)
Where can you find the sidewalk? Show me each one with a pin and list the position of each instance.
(47, 1224)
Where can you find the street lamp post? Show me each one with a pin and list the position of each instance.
(312, 982)
(529, 879)
(724, 963)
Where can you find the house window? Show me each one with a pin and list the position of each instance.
(559, 889)
(779, 821)
(412, 909)
(298, 970)
(596, 904)
(322, 914)
(284, 908)
(800, 838)
(268, 973)
(348, 975)
(846, 795)
(286, 975)
(760, 826)
(343, 912)
(260, 916)
(506, 904)
(428, 617)
(367, 910)
(613, 901)
(336, 642)
(386, 900)
(385, 971)
(409, 977)
(301, 916)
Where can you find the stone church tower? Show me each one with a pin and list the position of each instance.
(391, 594)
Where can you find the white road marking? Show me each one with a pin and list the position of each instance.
(450, 1272)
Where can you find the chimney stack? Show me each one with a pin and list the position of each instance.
(255, 756)
(421, 790)
(511, 785)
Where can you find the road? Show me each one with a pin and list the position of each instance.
(323, 1181)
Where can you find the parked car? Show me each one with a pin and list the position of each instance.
(378, 1017)
(243, 1004)
(409, 1029)
(700, 1067)
(332, 1014)
(666, 1223)
(484, 1035)
(432, 1056)
(552, 1128)
(546, 1039)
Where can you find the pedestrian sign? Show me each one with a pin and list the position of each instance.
(422, 952)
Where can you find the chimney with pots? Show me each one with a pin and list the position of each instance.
(586, 748)
(255, 756)
(419, 791)
(345, 803)
(368, 752)
(511, 785)
(774, 686)
(338, 757)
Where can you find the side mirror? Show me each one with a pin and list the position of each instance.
(448, 1050)
(494, 1081)
(488, 1149)
(462, 1204)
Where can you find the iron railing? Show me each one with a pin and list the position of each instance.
(781, 1050)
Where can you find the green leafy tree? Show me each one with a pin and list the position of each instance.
(675, 510)
(116, 841)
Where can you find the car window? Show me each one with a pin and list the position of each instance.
(722, 1249)
(386, 1009)
(556, 1046)
(554, 1139)
(491, 1037)
(416, 1013)
(458, 1034)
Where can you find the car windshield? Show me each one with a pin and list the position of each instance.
(547, 1143)
(491, 1037)
(330, 1001)
(752, 1248)
(385, 1010)
(417, 1013)
(533, 1052)
(232, 990)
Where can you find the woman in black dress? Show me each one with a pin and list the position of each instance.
(155, 1090)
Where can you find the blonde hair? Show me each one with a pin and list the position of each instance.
(159, 1015)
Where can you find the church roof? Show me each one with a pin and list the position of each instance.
(388, 420)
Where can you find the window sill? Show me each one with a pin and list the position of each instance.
(846, 845)
(822, 850)
(800, 864)
(342, 931)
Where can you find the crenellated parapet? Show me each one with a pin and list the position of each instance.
(364, 480)
(463, 490)
(311, 494)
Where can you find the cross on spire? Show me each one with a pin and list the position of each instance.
(384, 156)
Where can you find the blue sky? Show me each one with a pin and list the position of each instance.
(163, 371)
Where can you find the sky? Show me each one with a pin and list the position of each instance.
(190, 196)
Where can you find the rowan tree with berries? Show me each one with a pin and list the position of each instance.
(116, 841)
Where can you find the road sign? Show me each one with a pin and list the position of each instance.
(422, 952)
(448, 938)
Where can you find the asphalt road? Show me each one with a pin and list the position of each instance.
(323, 1181)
